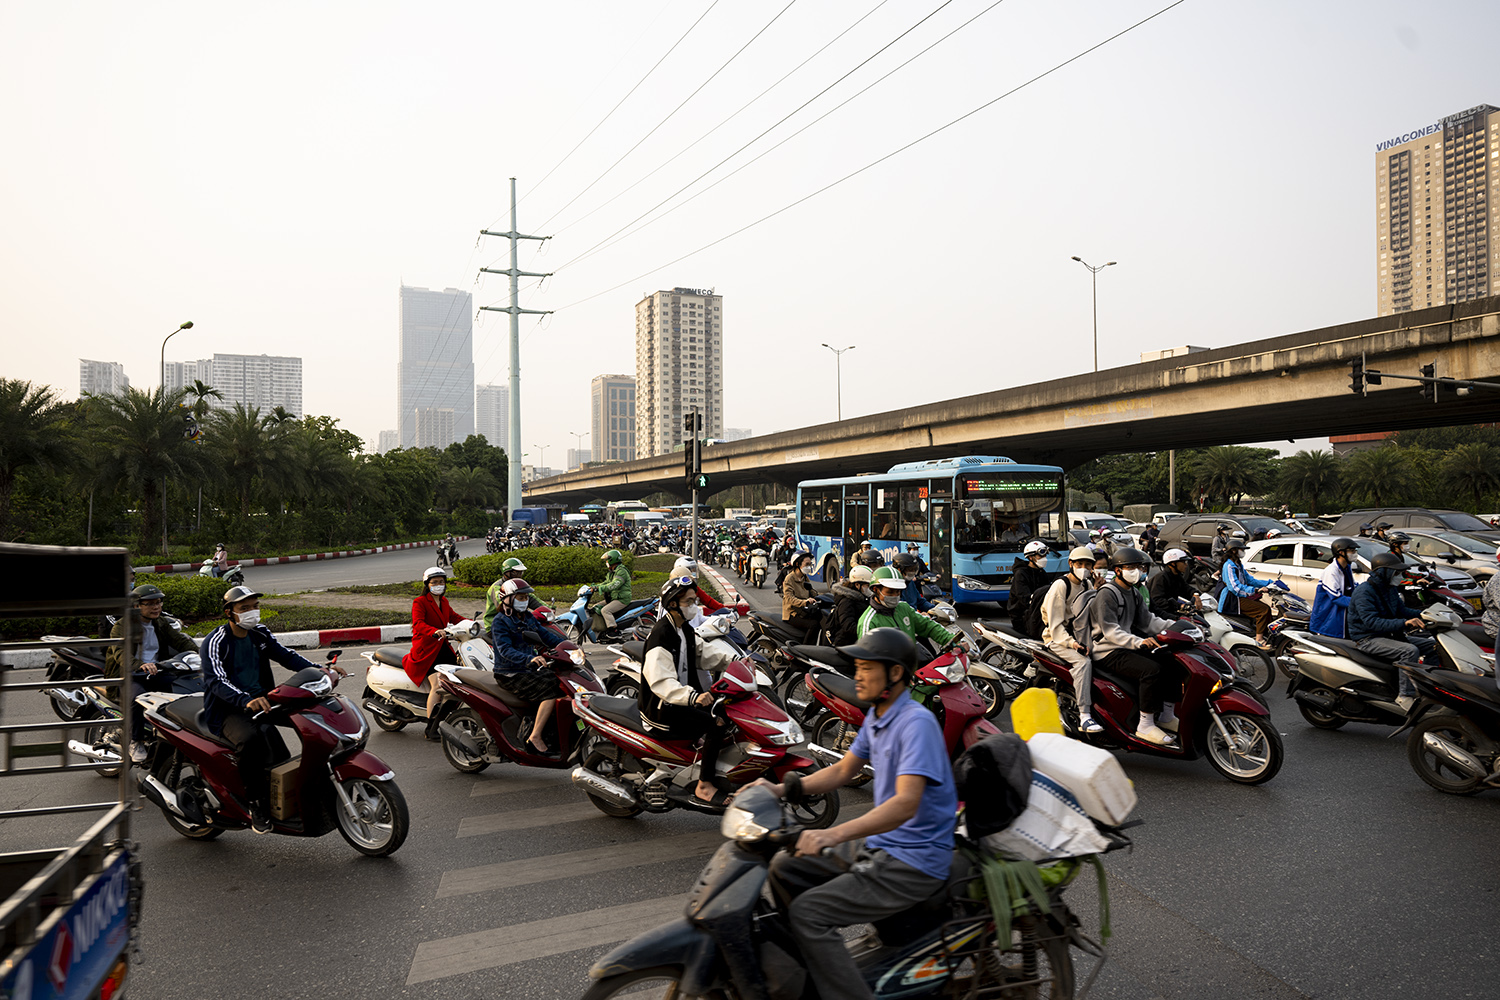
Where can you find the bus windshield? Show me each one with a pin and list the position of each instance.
(1003, 510)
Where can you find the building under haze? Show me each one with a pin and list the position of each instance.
(679, 358)
(492, 414)
(389, 441)
(101, 378)
(1436, 224)
(434, 427)
(612, 418)
(182, 374)
(435, 361)
(577, 457)
(258, 381)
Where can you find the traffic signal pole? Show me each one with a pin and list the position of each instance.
(694, 466)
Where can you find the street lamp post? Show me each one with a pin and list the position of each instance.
(185, 326)
(578, 445)
(541, 462)
(838, 367)
(1095, 272)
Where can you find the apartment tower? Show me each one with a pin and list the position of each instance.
(101, 378)
(492, 414)
(679, 359)
(612, 418)
(435, 364)
(1437, 228)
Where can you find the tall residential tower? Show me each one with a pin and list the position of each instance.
(435, 366)
(679, 363)
(612, 418)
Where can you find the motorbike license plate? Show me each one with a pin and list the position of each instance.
(1477, 602)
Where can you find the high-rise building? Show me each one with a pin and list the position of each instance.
(182, 374)
(492, 414)
(577, 457)
(389, 441)
(434, 427)
(101, 378)
(435, 359)
(1435, 217)
(259, 381)
(612, 418)
(737, 433)
(679, 363)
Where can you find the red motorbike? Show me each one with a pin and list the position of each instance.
(628, 769)
(1220, 716)
(334, 782)
(482, 723)
(941, 684)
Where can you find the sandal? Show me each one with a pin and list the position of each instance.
(721, 798)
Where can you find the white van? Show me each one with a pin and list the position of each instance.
(1092, 520)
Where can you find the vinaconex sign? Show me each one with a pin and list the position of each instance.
(1458, 119)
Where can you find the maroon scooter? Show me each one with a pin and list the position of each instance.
(333, 783)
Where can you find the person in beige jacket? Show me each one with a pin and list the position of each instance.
(1055, 610)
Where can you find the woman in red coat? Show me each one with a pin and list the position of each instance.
(430, 615)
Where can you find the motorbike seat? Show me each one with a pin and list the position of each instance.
(1349, 649)
(838, 685)
(829, 656)
(188, 713)
(625, 711)
(1239, 623)
(639, 604)
(391, 656)
(485, 681)
(916, 921)
(635, 650)
(1005, 627)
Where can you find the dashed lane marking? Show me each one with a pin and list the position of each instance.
(525, 819)
(529, 871)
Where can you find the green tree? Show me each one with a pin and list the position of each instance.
(240, 448)
(140, 444)
(1310, 475)
(1232, 471)
(468, 486)
(1473, 469)
(1377, 475)
(200, 393)
(32, 433)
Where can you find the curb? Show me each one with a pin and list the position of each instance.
(278, 560)
(732, 596)
(30, 659)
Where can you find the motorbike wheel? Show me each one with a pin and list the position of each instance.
(647, 984)
(466, 720)
(575, 633)
(604, 759)
(109, 736)
(993, 694)
(836, 734)
(1256, 754)
(380, 822)
(1254, 665)
(179, 773)
(388, 725)
(796, 695)
(622, 686)
(818, 812)
(1430, 767)
(1037, 964)
(1010, 669)
(1320, 719)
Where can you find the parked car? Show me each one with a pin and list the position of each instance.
(1196, 533)
(1298, 561)
(1475, 556)
(1419, 518)
(1092, 520)
(1303, 525)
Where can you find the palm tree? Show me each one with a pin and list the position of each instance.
(140, 445)
(1378, 475)
(1228, 471)
(32, 432)
(242, 449)
(1472, 468)
(1310, 474)
(200, 392)
(469, 485)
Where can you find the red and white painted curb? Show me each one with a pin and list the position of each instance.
(278, 560)
(731, 595)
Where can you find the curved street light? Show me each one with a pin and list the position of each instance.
(838, 355)
(185, 326)
(1095, 272)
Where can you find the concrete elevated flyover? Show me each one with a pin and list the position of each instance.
(1292, 387)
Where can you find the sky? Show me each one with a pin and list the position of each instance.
(274, 172)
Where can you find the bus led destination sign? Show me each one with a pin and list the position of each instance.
(1011, 484)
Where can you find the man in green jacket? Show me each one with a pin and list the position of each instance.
(615, 589)
(887, 610)
(511, 569)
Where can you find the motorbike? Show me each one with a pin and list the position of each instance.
(389, 695)
(717, 629)
(1000, 667)
(483, 723)
(759, 566)
(333, 783)
(1338, 683)
(447, 554)
(1454, 738)
(582, 623)
(1221, 716)
(234, 576)
(103, 742)
(629, 769)
(1236, 635)
(734, 938)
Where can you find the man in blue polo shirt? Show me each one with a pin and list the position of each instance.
(894, 856)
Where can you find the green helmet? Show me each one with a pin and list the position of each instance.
(889, 576)
(512, 565)
(148, 592)
(613, 557)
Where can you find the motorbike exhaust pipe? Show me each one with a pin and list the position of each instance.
(1455, 755)
(160, 795)
(826, 756)
(93, 752)
(1317, 700)
(67, 699)
(612, 792)
(383, 710)
(460, 739)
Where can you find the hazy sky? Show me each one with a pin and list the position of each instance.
(274, 172)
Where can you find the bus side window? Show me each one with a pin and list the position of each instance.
(884, 522)
(913, 514)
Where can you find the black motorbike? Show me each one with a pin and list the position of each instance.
(1454, 740)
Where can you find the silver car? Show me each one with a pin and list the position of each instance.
(1299, 560)
(1475, 556)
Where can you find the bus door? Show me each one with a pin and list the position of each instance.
(940, 546)
(856, 518)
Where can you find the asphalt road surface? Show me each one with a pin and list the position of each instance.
(383, 567)
(1344, 877)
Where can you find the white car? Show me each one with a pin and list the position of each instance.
(1299, 560)
(1475, 556)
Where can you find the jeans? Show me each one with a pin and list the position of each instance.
(1397, 651)
(820, 896)
(1082, 670)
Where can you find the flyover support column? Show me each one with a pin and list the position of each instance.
(1172, 476)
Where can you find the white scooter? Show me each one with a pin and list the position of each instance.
(625, 680)
(390, 697)
(759, 565)
(1251, 662)
(1003, 665)
(233, 576)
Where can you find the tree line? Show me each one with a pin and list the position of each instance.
(113, 469)
(1455, 467)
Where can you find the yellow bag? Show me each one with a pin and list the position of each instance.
(1035, 711)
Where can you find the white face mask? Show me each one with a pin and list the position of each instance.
(1131, 576)
(1098, 574)
(249, 619)
(438, 588)
(688, 611)
(1082, 572)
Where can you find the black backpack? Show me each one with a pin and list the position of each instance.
(993, 780)
(1031, 618)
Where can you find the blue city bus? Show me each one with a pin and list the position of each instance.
(969, 518)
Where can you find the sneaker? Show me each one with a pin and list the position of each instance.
(1406, 701)
(138, 753)
(1088, 724)
(1157, 735)
(259, 821)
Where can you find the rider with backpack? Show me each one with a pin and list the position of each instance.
(1066, 594)
(1121, 633)
(1027, 577)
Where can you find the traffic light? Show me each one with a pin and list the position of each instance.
(700, 481)
(1357, 376)
(1429, 389)
(689, 467)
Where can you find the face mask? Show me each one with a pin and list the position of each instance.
(1131, 576)
(1082, 572)
(438, 588)
(249, 619)
(688, 611)
(1098, 574)
(887, 598)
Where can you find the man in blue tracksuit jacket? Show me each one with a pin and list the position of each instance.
(1335, 591)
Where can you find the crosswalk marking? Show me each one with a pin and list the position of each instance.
(502, 786)
(500, 946)
(523, 819)
(529, 871)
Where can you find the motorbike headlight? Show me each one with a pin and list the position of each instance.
(789, 734)
(738, 824)
(955, 671)
(576, 655)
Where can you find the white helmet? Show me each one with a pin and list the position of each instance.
(685, 565)
(1173, 555)
(1032, 548)
(433, 571)
(861, 574)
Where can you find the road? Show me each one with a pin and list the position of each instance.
(1344, 877)
(383, 567)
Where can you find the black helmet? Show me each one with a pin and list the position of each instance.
(147, 592)
(1344, 545)
(1127, 556)
(1367, 526)
(870, 558)
(1384, 525)
(1386, 560)
(1235, 544)
(235, 595)
(887, 645)
(1222, 527)
(904, 561)
(1398, 538)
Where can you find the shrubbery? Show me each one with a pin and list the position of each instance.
(545, 567)
(189, 598)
